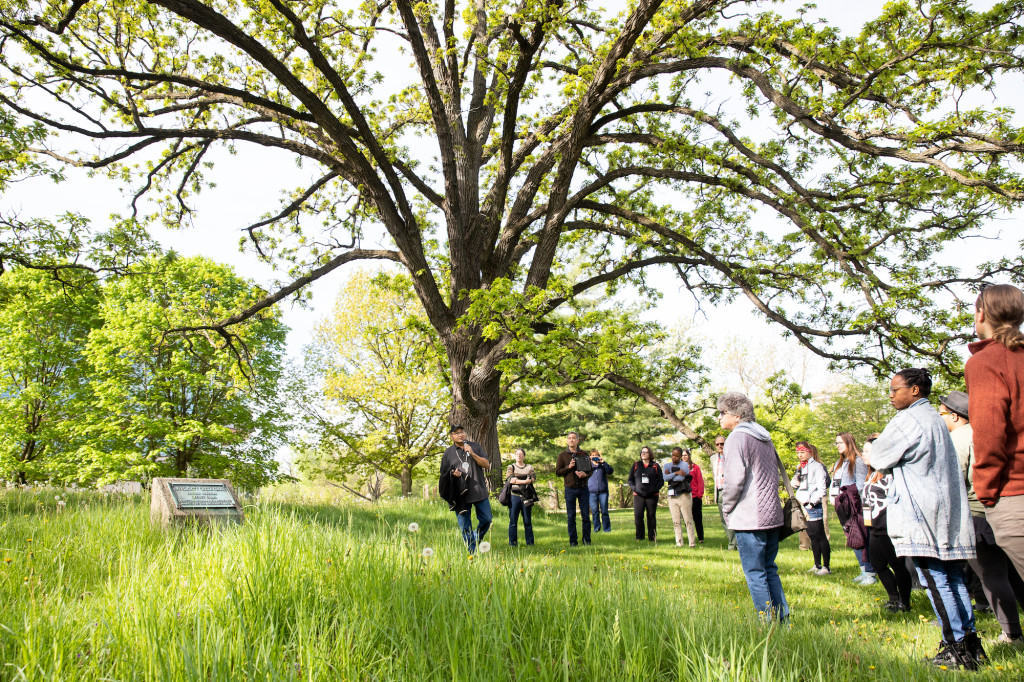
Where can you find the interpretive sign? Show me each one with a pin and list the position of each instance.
(201, 495)
(182, 501)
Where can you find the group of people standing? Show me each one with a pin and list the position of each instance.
(942, 488)
(939, 488)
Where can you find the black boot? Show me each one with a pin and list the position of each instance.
(953, 656)
(975, 651)
(897, 607)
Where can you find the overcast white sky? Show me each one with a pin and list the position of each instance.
(245, 190)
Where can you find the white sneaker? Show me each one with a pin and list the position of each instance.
(869, 579)
(859, 578)
(813, 569)
(823, 571)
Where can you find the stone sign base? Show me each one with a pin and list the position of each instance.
(199, 501)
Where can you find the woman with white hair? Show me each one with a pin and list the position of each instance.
(751, 504)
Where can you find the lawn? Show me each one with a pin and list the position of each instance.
(307, 590)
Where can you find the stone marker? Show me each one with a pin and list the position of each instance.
(201, 501)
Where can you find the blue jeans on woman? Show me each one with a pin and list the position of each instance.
(865, 566)
(947, 590)
(599, 506)
(758, 549)
(515, 508)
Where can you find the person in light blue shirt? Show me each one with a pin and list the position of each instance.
(928, 518)
(680, 502)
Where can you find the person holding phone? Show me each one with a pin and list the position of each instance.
(597, 484)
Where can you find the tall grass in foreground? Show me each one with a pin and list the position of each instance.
(302, 592)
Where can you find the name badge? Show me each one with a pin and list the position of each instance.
(867, 517)
(671, 492)
(644, 479)
(465, 467)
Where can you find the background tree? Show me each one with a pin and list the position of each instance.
(573, 150)
(383, 401)
(862, 408)
(176, 405)
(44, 377)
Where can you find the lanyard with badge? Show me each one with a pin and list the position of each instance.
(644, 478)
(465, 464)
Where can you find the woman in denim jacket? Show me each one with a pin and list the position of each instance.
(928, 517)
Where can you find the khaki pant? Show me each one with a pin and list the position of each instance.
(682, 505)
(1007, 521)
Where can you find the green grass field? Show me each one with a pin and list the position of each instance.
(312, 591)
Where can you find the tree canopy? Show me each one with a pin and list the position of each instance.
(517, 155)
(175, 405)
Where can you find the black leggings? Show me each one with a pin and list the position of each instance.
(819, 543)
(698, 518)
(891, 569)
(641, 505)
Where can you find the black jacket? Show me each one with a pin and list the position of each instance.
(452, 490)
(655, 479)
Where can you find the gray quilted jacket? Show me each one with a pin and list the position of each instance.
(750, 499)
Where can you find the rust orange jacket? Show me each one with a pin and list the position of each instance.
(995, 388)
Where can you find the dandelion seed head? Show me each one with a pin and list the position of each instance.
(485, 547)
(427, 552)
(414, 527)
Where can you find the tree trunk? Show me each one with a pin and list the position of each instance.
(476, 399)
(405, 476)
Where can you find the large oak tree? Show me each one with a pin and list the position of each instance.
(519, 154)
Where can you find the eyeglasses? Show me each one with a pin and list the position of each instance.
(893, 389)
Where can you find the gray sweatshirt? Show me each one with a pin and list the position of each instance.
(750, 499)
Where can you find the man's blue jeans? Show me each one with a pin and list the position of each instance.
(483, 518)
(515, 508)
(571, 497)
(758, 549)
(947, 590)
(599, 507)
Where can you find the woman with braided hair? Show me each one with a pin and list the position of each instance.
(995, 388)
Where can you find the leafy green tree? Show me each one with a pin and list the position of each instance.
(174, 404)
(858, 407)
(383, 402)
(44, 376)
(537, 151)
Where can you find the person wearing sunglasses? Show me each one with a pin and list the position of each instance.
(751, 502)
